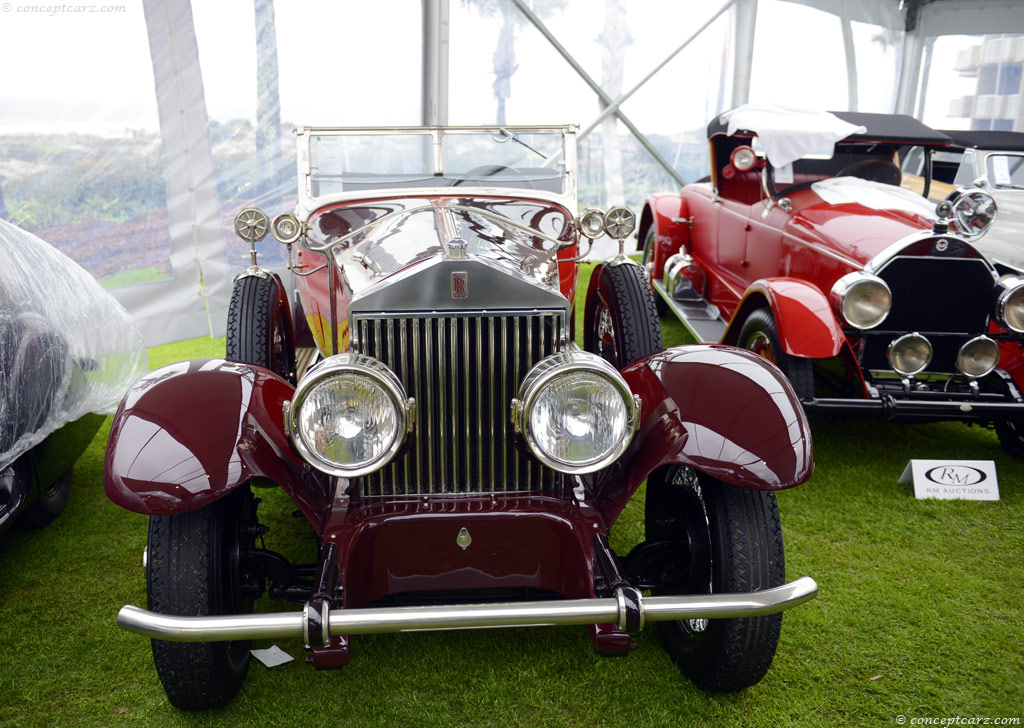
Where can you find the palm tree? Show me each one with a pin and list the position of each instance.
(268, 105)
(504, 58)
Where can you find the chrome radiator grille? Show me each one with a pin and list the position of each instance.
(463, 371)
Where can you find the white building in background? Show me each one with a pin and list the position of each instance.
(998, 64)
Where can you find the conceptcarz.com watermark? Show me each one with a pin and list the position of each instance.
(60, 9)
(956, 720)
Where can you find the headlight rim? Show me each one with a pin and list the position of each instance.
(584, 228)
(562, 364)
(847, 283)
(980, 337)
(960, 200)
(286, 239)
(1016, 286)
(371, 369)
(897, 340)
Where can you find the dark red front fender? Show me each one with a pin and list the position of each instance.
(190, 433)
(724, 411)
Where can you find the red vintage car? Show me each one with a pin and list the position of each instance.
(803, 247)
(458, 459)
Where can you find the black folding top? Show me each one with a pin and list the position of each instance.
(892, 128)
(1009, 141)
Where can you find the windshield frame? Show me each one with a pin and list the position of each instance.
(457, 185)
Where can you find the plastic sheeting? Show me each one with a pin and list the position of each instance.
(67, 347)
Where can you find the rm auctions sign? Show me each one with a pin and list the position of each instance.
(953, 479)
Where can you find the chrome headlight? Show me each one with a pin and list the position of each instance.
(973, 211)
(978, 357)
(286, 228)
(575, 412)
(349, 416)
(1010, 304)
(910, 354)
(591, 223)
(863, 300)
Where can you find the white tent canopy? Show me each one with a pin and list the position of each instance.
(134, 156)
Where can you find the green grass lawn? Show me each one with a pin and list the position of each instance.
(919, 614)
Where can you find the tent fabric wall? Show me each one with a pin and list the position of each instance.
(207, 178)
(194, 302)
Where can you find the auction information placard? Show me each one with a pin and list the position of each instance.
(953, 479)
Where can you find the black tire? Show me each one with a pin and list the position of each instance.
(760, 335)
(194, 569)
(739, 532)
(647, 262)
(620, 321)
(1011, 437)
(50, 503)
(259, 326)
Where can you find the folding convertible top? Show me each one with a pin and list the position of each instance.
(1008, 141)
(891, 128)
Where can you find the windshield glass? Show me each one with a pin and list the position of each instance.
(341, 161)
(1006, 171)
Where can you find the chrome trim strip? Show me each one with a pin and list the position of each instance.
(444, 396)
(504, 420)
(494, 399)
(416, 373)
(479, 398)
(465, 374)
(517, 374)
(892, 252)
(427, 340)
(453, 347)
(602, 610)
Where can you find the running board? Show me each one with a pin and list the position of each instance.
(702, 319)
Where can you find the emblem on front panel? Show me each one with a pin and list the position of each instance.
(463, 539)
(460, 284)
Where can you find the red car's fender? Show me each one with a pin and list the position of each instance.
(190, 433)
(721, 410)
(665, 213)
(804, 318)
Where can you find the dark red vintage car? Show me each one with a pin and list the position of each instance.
(803, 247)
(459, 460)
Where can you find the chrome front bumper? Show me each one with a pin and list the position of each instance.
(315, 627)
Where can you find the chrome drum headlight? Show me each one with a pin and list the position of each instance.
(1010, 304)
(349, 416)
(863, 300)
(575, 412)
(972, 211)
(978, 357)
(910, 354)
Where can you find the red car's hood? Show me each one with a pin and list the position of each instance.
(858, 221)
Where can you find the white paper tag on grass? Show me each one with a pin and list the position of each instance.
(952, 479)
(272, 656)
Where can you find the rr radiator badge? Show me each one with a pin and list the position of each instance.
(460, 284)
(463, 539)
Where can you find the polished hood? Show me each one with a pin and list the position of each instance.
(374, 241)
(858, 219)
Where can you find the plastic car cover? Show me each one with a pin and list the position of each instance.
(67, 347)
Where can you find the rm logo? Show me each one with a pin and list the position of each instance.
(460, 285)
(955, 475)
